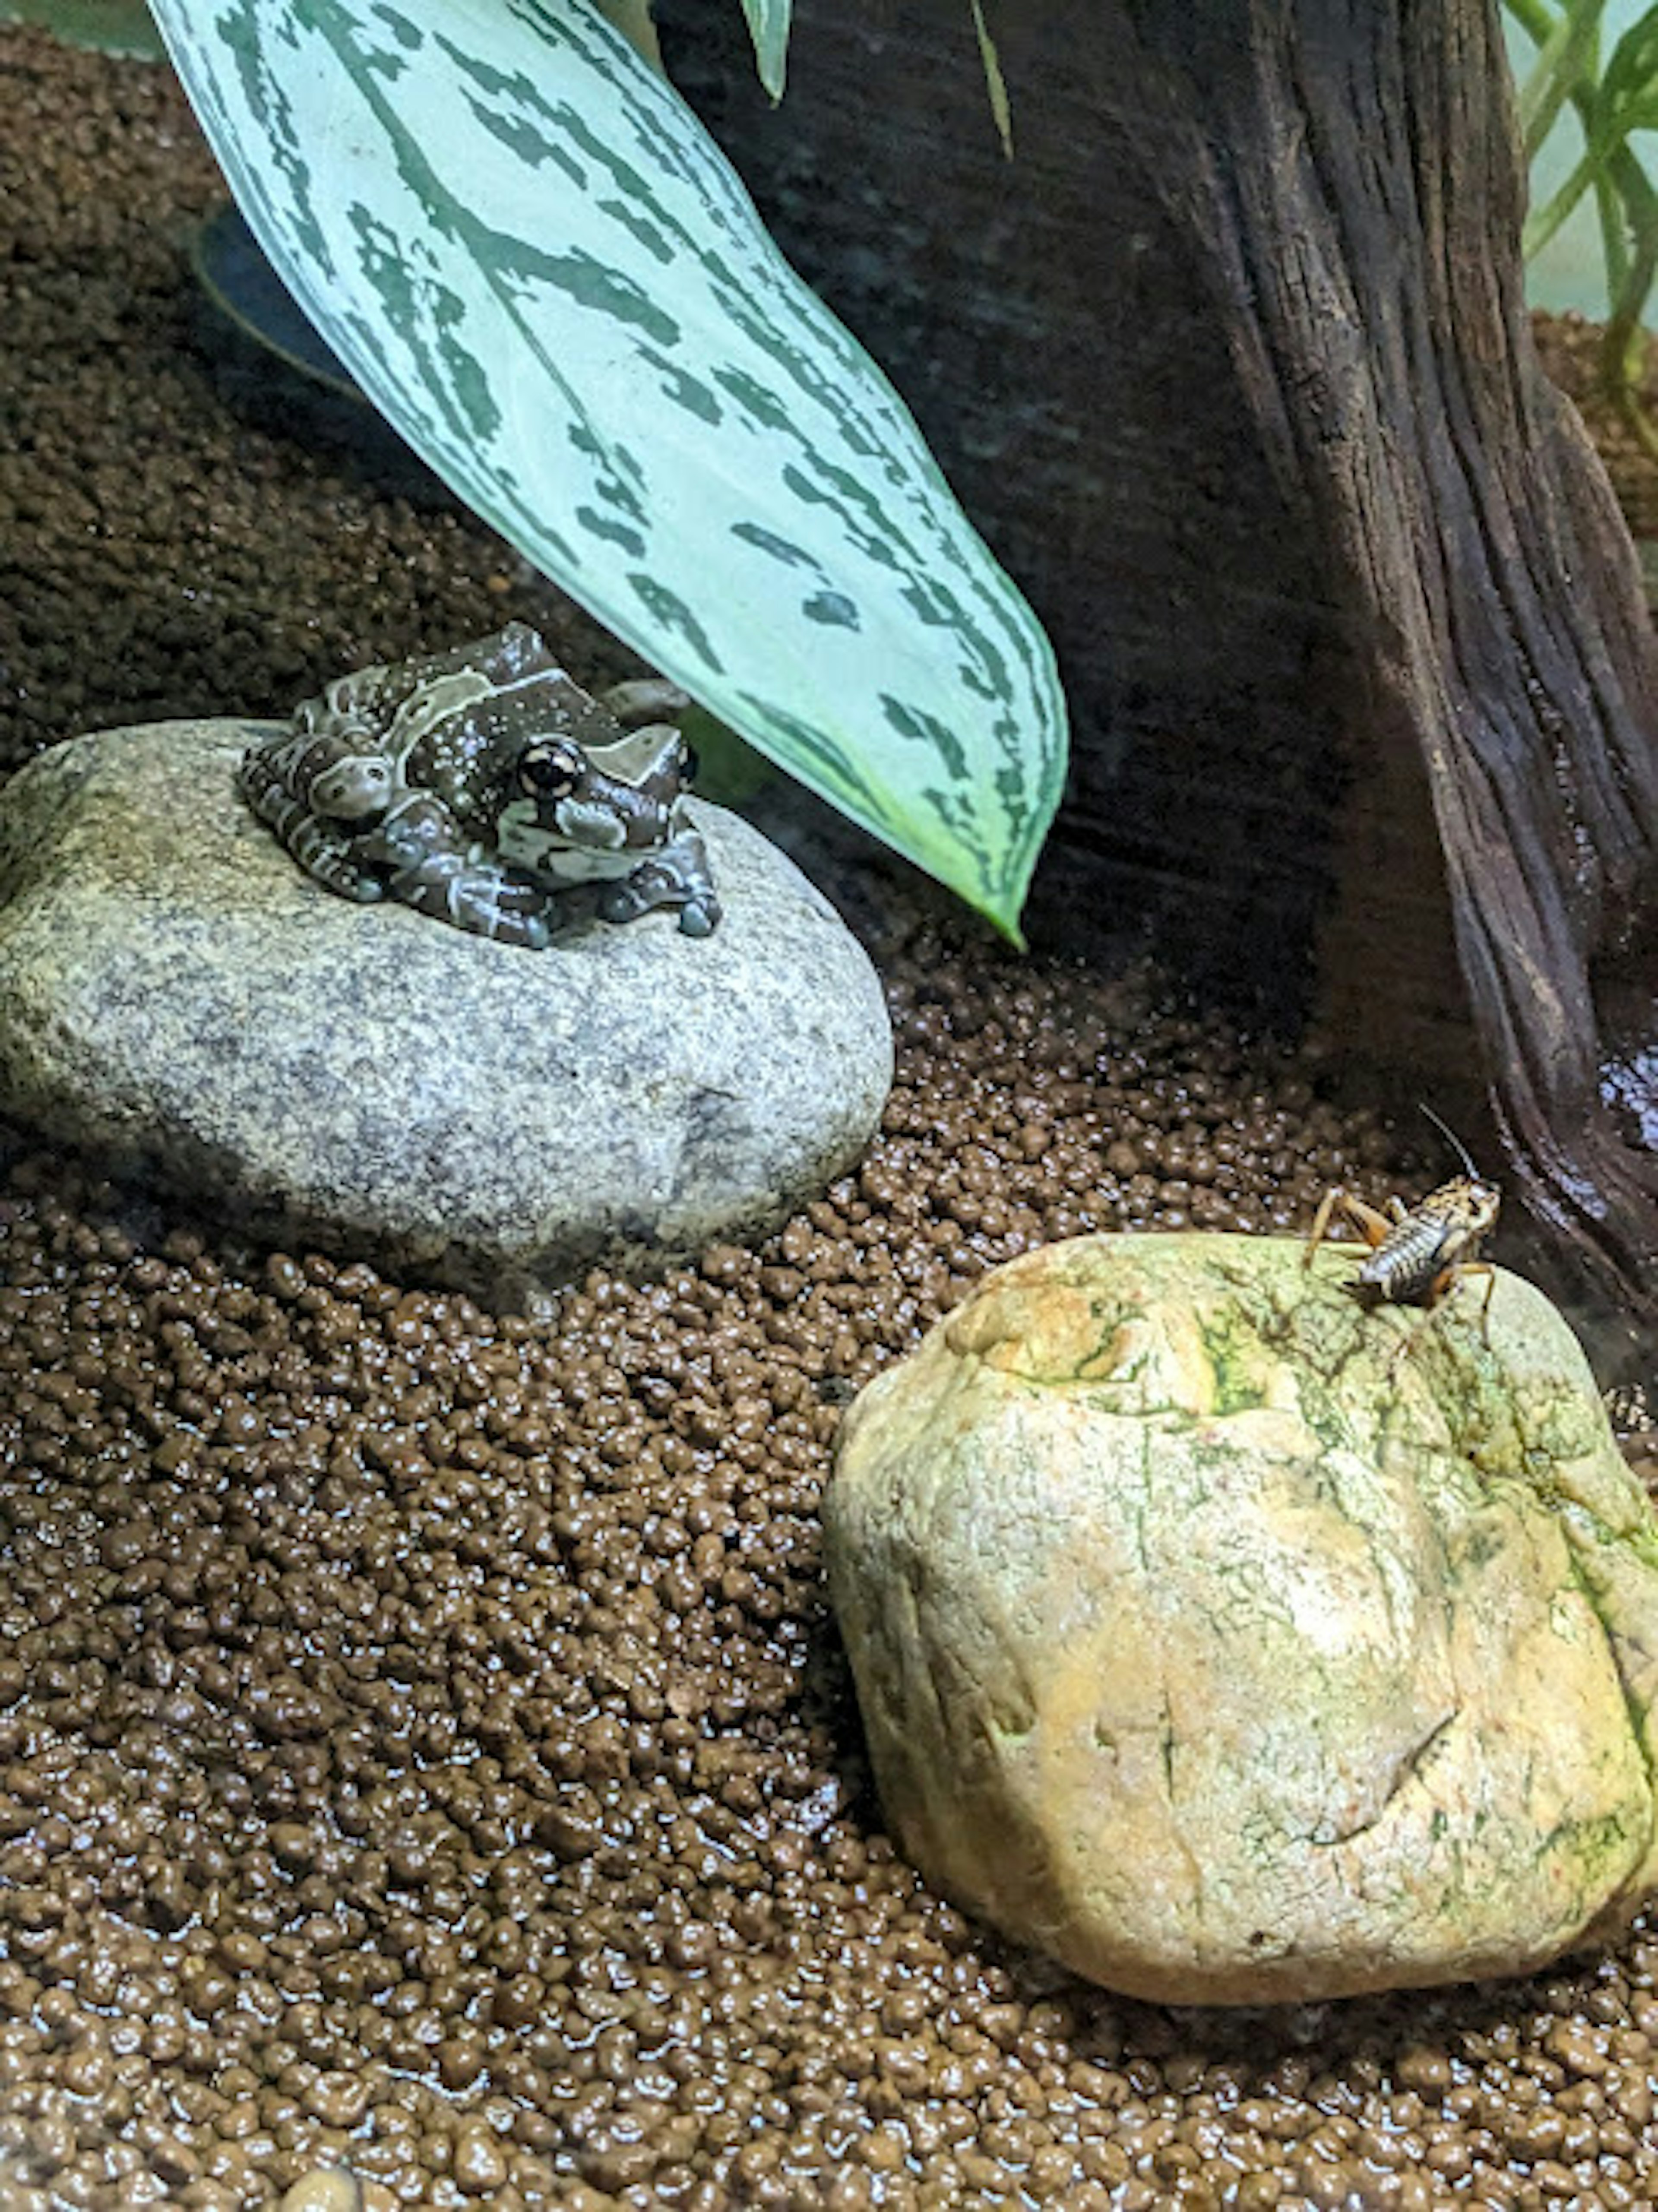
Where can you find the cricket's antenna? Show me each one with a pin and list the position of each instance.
(1453, 1141)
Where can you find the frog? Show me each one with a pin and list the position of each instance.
(479, 784)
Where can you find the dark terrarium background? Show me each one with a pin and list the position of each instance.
(1249, 403)
(423, 1742)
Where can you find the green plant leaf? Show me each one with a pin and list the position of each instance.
(529, 254)
(768, 27)
(995, 84)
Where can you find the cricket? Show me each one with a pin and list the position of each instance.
(1418, 1252)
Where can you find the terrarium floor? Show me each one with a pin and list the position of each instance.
(423, 1739)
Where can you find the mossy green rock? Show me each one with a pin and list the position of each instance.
(1232, 1644)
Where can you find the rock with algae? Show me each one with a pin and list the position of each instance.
(1231, 1644)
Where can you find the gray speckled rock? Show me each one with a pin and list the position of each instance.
(1209, 1641)
(176, 995)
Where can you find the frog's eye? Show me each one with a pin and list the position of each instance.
(549, 771)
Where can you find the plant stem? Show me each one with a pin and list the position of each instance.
(1568, 60)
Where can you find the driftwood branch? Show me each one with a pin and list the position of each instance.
(1369, 283)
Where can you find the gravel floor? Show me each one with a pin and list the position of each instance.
(1570, 350)
(423, 1741)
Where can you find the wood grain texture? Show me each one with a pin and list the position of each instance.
(1371, 284)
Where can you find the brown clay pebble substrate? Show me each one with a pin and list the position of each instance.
(423, 1747)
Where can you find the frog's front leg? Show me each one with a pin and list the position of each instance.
(435, 869)
(679, 875)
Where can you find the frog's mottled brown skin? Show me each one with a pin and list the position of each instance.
(474, 785)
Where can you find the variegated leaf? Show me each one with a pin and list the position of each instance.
(531, 256)
(768, 27)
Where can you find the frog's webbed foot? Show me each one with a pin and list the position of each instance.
(476, 897)
(480, 898)
(679, 875)
(333, 860)
(645, 699)
(434, 869)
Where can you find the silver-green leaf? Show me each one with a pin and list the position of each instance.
(768, 27)
(530, 255)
